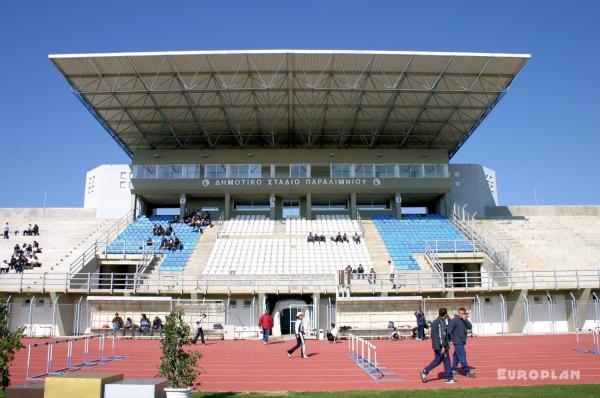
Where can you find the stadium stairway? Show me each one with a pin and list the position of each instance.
(204, 246)
(547, 242)
(61, 240)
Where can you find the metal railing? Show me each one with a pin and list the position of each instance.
(433, 248)
(180, 282)
(100, 244)
(498, 252)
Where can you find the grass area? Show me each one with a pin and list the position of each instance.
(546, 391)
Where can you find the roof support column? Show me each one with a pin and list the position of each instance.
(182, 204)
(227, 207)
(308, 213)
(272, 203)
(398, 205)
(353, 205)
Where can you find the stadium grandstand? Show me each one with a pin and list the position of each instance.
(298, 180)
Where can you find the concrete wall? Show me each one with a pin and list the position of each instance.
(61, 213)
(474, 185)
(525, 211)
(107, 190)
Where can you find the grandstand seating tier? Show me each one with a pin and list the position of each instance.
(405, 237)
(274, 256)
(133, 241)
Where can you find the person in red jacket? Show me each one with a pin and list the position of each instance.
(266, 323)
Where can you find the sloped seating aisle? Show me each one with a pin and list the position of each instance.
(135, 236)
(407, 236)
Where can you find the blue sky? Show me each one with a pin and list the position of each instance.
(543, 135)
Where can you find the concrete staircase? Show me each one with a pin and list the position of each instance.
(201, 253)
(549, 242)
(377, 249)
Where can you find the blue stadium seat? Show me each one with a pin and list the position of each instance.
(138, 233)
(407, 236)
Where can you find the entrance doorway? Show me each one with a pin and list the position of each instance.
(291, 209)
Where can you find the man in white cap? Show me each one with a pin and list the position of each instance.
(299, 332)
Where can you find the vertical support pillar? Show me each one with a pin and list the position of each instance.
(308, 214)
(577, 310)
(353, 205)
(517, 312)
(262, 304)
(316, 312)
(272, 203)
(227, 207)
(58, 327)
(272, 171)
(398, 205)
(182, 204)
(133, 206)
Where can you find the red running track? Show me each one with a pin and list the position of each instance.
(252, 366)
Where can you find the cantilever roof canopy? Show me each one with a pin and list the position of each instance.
(290, 98)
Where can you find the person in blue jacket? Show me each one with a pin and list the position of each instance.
(421, 325)
(458, 328)
(441, 347)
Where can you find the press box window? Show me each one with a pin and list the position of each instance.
(298, 171)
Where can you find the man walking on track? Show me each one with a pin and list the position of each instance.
(441, 347)
(200, 332)
(458, 328)
(266, 324)
(299, 332)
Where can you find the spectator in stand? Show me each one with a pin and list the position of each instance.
(361, 272)
(4, 267)
(169, 230)
(356, 238)
(177, 244)
(266, 324)
(34, 262)
(338, 238)
(310, 238)
(157, 325)
(155, 230)
(5, 231)
(36, 230)
(117, 322)
(372, 276)
(36, 247)
(28, 230)
(345, 238)
(144, 324)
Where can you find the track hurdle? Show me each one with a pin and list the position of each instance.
(364, 354)
(68, 354)
(583, 343)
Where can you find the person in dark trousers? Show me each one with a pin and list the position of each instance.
(299, 332)
(266, 324)
(458, 328)
(421, 325)
(441, 347)
(200, 331)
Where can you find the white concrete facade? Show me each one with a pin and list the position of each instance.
(107, 189)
